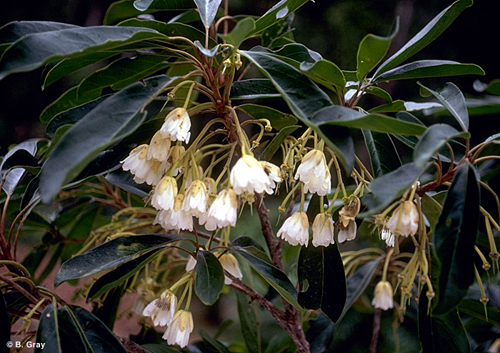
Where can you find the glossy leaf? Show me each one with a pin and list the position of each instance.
(22, 154)
(37, 49)
(253, 89)
(75, 329)
(358, 282)
(111, 254)
(212, 345)
(440, 333)
(371, 51)
(429, 68)
(120, 114)
(425, 36)
(71, 116)
(209, 277)
(12, 31)
(239, 32)
(121, 73)
(208, 10)
(116, 277)
(344, 116)
(281, 9)
(249, 322)
(389, 187)
(278, 119)
(454, 239)
(433, 140)
(324, 72)
(275, 277)
(322, 280)
(124, 9)
(384, 157)
(452, 99)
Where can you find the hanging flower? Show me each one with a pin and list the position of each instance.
(295, 229)
(159, 147)
(322, 230)
(223, 211)
(162, 310)
(180, 328)
(348, 213)
(190, 264)
(314, 173)
(177, 125)
(404, 220)
(274, 173)
(144, 170)
(388, 236)
(382, 296)
(230, 264)
(196, 199)
(248, 175)
(175, 218)
(164, 194)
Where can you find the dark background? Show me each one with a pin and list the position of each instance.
(332, 28)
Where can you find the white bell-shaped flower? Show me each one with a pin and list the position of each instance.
(162, 310)
(322, 230)
(248, 175)
(295, 229)
(404, 220)
(177, 125)
(180, 328)
(314, 173)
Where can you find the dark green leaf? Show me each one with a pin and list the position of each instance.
(240, 32)
(433, 140)
(440, 333)
(208, 10)
(142, 5)
(59, 332)
(20, 155)
(322, 279)
(12, 31)
(454, 239)
(71, 116)
(425, 36)
(295, 54)
(389, 187)
(208, 52)
(275, 277)
(344, 116)
(453, 100)
(124, 9)
(357, 283)
(253, 89)
(122, 73)
(371, 51)
(324, 72)
(249, 322)
(160, 348)
(320, 333)
(35, 50)
(125, 181)
(279, 120)
(116, 277)
(278, 11)
(212, 344)
(209, 277)
(384, 157)
(429, 68)
(113, 119)
(112, 254)
(475, 308)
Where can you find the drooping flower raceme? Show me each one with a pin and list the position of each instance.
(248, 175)
(180, 328)
(382, 296)
(162, 310)
(295, 229)
(314, 173)
(322, 230)
(230, 264)
(159, 148)
(175, 218)
(223, 211)
(404, 220)
(177, 125)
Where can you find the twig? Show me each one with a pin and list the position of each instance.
(375, 330)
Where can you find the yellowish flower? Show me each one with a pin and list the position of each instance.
(180, 328)
(322, 230)
(382, 296)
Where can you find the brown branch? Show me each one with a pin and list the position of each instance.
(267, 231)
(131, 346)
(375, 330)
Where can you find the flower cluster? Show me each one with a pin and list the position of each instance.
(179, 322)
